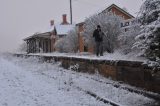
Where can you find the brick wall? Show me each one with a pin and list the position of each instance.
(120, 13)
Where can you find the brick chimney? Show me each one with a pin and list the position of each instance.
(51, 22)
(64, 19)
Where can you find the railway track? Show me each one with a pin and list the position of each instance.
(144, 93)
(116, 85)
(137, 91)
(105, 100)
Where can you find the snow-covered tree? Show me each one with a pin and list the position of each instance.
(22, 47)
(68, 43)
(127, 38)
(60, 45)
(110, 25)
(72, 39)
(148, 41)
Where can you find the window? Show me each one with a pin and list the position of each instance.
(85, 49)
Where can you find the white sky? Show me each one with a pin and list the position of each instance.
(22, 18)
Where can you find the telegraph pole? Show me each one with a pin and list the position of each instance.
(71, 10)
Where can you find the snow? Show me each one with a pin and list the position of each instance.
(31, 82)
(63, 29)
(108, 22)
(22, 86)
(107, 56)
(148, 36)
(46, 29)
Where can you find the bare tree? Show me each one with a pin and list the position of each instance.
(68, 43)
(60, 45)
(110, 25)
(72, 39)
(127, 38)
(23, 47)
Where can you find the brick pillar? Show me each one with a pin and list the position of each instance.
(64, 19)
(81, 43)
(53, 40)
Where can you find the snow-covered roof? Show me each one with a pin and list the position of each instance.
(42, 35)
(63, 29)
(45, 32)
(60, 30)
(46, 29)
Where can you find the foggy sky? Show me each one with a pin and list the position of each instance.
(22, 18)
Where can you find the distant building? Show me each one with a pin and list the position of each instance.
(45, 41)
(114, 9)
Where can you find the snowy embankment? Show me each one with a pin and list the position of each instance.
(35, 83)
(23, 86)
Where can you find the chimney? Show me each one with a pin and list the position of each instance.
(51, 22)
(64, 19)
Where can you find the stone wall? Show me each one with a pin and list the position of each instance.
(130, 72)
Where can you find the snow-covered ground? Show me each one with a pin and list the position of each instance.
(31, 82)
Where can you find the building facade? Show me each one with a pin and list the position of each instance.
(45, 42)
(115, 10)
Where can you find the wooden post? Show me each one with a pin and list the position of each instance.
(27, 47)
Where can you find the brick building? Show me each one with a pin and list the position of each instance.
(45, 41)
(114, 9)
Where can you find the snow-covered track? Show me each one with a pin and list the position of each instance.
(144, 93)
(131, 72)
(137, 91)
(104, 100)
(116, 85)
(105, 88)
